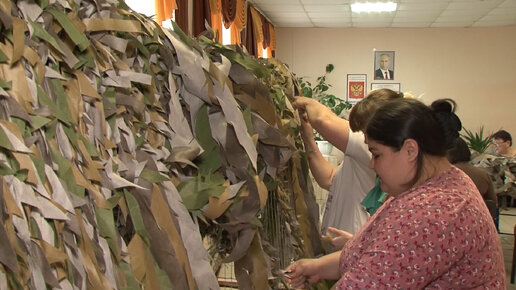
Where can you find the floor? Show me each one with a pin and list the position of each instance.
(506, 227)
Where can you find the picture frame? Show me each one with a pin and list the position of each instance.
(384, 65)
(391, 86)
(356, 87)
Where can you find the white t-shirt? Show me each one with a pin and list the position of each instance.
(351, 183)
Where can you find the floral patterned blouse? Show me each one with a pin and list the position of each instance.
(438, 235)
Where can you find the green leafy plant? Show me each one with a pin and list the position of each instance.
(476, 140)
(319, 91)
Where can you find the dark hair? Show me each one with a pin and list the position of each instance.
(434, 128)
(504, 135)
(364, 110)
(459, 152)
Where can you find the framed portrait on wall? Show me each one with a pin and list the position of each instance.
(391, 86)
(384, 65)
(356, 87)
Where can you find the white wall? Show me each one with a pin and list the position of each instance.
(474, 66)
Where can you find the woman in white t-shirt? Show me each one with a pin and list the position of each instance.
(349, 182)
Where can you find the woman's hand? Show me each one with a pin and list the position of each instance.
(338, 237)
(302, 273)
(306, 129)
(304, 105)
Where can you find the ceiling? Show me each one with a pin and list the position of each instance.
(409, 14)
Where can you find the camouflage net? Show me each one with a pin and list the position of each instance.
(123, 145)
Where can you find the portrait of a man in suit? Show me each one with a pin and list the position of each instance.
(384, 64)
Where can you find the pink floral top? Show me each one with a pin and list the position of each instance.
(438, 235)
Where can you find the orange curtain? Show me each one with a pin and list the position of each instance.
(164, 9)
(257, 30)
(239, 22)
(265, 30)
(272, 40)
(216, 18)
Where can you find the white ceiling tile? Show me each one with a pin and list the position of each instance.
(295, 25)
(372, 17)
(288, 15)
(463, 12)
(295, 2)
(422, 6)
(323, 2)
(328, 14)
(470, 5)
(508, 3)
(456, 18)
(421, 1)
(333, 24)
(293, 20)
(414, 19)
(406, 13)
(505, 19)
(371, 24)
(411, 24)
(327, 20)
(452, 24)
(493, 23)
(280, 7)
(503, 11)
(327, 8)
(371, 21)
(432, 13)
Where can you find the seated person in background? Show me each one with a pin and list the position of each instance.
(460, 156)
(417, 238)
(502, 142)
(504, 169)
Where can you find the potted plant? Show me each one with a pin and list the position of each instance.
(319, 91)
(477, 141)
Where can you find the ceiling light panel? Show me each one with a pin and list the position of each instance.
(361, 7)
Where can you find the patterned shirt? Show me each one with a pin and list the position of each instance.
(438, 235)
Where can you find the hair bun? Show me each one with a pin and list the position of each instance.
(444, 111)
(443, 105)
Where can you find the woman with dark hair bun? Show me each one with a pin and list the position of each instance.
(434, 230)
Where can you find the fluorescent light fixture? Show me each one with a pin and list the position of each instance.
(373, 7)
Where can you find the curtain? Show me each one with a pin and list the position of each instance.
(265, 32)
(272, 40)
(247, 26)
(229, 10)
(239, 22)
(201, 14)
(182, 15)
(164, 9)
(256, 20)
(216, 18)
(248, 34)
